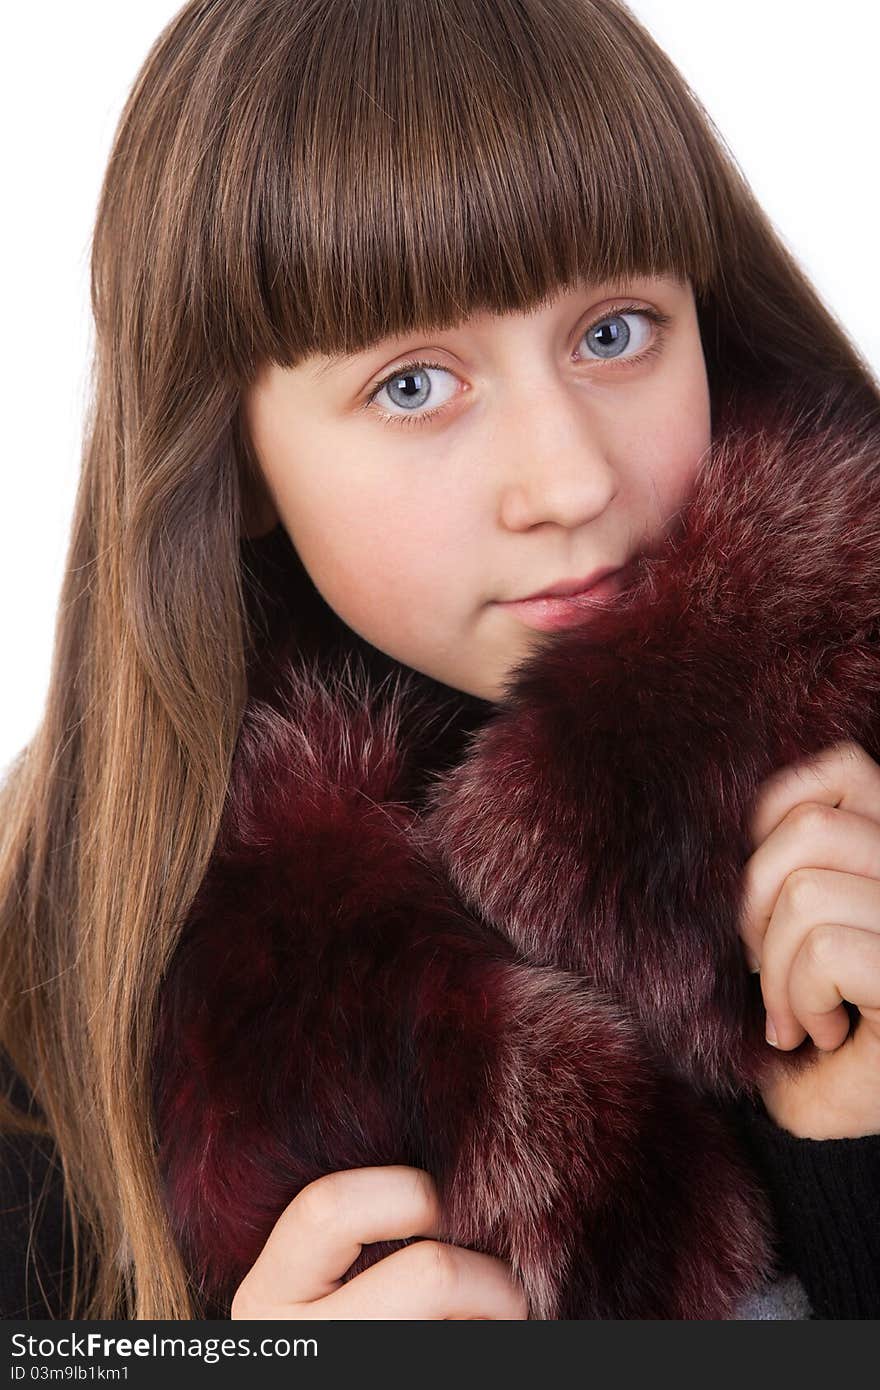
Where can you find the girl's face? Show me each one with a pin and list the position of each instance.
(431, 478)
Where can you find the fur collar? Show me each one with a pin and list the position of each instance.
(500, 942)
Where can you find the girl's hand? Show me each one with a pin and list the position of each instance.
(320, 1234)
(811, 923)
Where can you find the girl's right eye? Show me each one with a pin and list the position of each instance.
(413, 395)
(412, 384)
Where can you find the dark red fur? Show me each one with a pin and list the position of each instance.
(532, 985)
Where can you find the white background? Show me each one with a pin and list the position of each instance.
(791, 84)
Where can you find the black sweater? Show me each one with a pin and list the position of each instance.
(825, 1193)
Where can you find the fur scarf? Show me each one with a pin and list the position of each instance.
(519, 967)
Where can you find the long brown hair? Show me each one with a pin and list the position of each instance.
(291, 177)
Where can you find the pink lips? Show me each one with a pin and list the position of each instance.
(567, 587)
(553, 609)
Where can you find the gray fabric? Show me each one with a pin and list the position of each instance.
(782, 1300)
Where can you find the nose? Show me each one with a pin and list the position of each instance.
(555, 467)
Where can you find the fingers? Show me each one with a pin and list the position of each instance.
(841, 775)
(813, 879)
(835, 963)
(808, 954)
(821, 836)
(320, 1234)
(429, 1280)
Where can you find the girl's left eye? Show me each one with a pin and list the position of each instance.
(609, 335)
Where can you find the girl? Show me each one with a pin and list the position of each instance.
(303, 689)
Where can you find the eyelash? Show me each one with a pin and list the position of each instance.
(661, 322)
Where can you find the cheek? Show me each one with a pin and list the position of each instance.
(681, 440)
(680, 470)
(381, 562)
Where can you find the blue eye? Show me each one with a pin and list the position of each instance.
(409, 386)
(610, 336)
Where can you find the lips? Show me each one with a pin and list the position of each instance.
(566, 587)
(550, 610)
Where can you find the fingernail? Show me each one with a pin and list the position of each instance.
(770, 1033)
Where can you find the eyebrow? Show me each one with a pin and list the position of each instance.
(338, 359)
